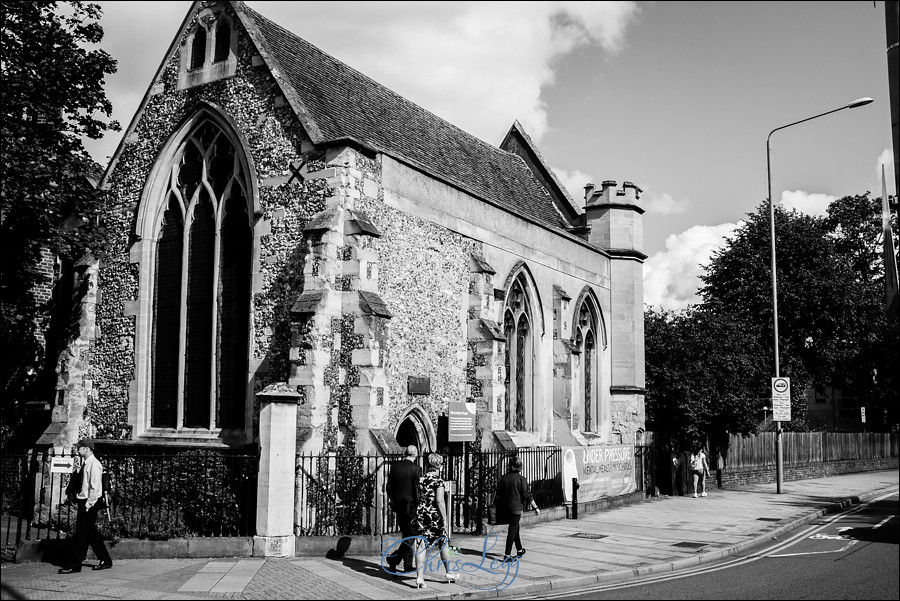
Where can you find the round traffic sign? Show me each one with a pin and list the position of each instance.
(780, 385)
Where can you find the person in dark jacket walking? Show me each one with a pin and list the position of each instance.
(513, 497)
(403, 492)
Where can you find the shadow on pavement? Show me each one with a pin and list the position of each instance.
(375, 570)
(10, 593)
(362, 566)
(888, 534)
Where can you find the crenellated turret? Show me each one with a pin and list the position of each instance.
(614, 219)
(614, 216)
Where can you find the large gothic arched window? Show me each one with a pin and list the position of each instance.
(519, 359)
(201, 288)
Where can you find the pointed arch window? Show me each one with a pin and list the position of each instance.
(201, 294)
(198, 48)
(519, 359)
(223, 41)
(209, 51)
(587, 331)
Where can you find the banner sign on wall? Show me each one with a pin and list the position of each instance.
(602, 471)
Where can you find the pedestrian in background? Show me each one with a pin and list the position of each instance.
(89, 505)
(699, 469)
(403, 492)
(513, 498)
(431, 519)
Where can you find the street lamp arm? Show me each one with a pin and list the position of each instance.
(856, 103)
(805, 120)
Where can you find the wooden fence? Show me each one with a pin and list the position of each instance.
(809, 447)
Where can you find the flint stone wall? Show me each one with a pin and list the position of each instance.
(424, 280)
(274, 138)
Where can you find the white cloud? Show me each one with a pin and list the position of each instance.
(574, 181)
(480, 65)
(664, 204)
(672, 276)
(807, 202)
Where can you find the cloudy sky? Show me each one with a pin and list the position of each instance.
(677, 97)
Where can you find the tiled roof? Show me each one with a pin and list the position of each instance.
(345, 104)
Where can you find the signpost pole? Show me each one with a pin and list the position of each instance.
(465, 492)
(781, 411)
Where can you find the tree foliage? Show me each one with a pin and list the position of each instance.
(811, 298)
(703, 376)
(709, 367)
(868, 367)
(52, 95)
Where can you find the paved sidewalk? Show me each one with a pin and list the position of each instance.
(653, 536)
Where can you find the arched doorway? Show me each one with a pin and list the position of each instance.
(416, 429)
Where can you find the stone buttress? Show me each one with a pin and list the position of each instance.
(486, 348)
(339, 323)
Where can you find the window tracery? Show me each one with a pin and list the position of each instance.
(209, 51)
(519, 358)
(201, 312)
(587, 331)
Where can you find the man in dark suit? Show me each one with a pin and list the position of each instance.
(403, 492)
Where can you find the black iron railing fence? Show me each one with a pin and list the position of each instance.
(338, 495)
(475, 475)
(14, 471)
(160, 493)
(343, 495)
(156, 493)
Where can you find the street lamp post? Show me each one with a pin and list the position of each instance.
(779, 467)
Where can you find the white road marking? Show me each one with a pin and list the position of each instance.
(827, 537)
(841, 550)
(792, 540)
(883, 522)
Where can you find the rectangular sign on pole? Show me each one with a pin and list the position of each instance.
(462, 422)
(862, 414)
(781, 399)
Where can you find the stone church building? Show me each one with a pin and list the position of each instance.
(280, 217)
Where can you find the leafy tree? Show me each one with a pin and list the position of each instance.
(704, 380)
(813, 298)
(709, 367)
(51, 96)
(869, 368)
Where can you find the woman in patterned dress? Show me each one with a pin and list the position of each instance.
(431, 519)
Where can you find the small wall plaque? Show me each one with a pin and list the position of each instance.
(418, 385)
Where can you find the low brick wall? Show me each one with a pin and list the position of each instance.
(726, 478)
